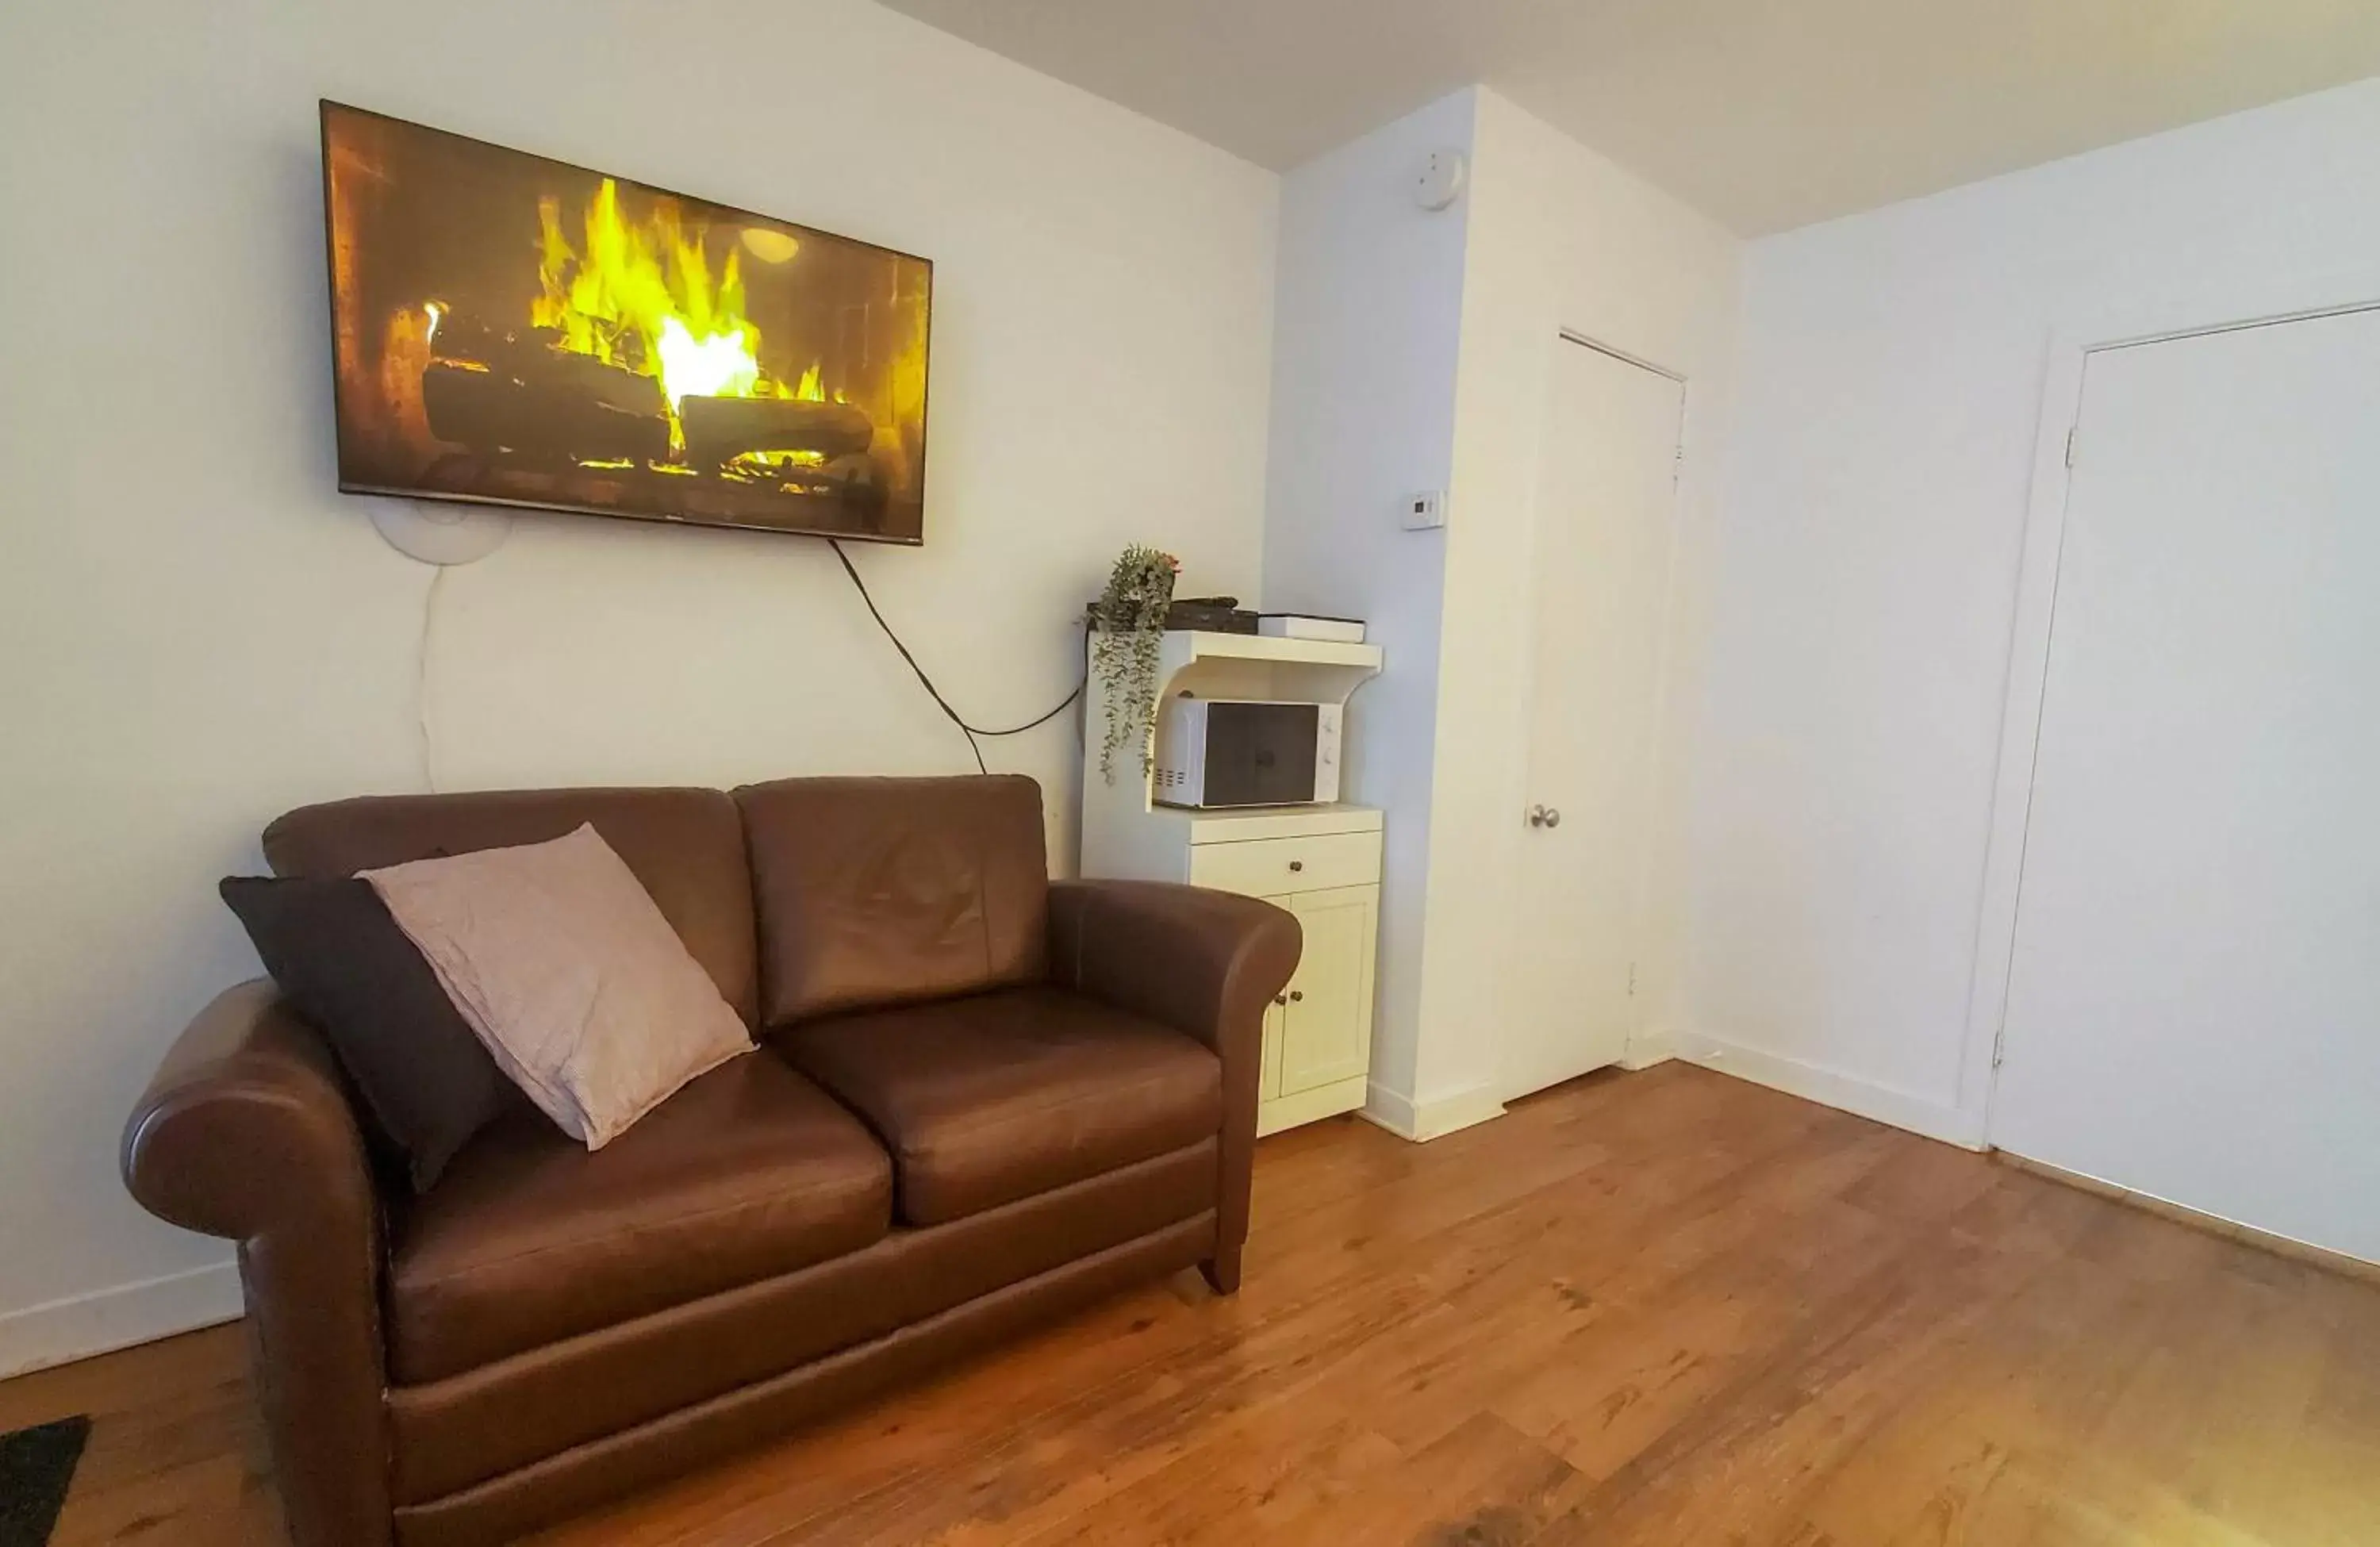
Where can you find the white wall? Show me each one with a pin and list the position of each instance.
(1559, 238)
(1411, 353)
(1367, 321)
(196, 632)
(1893, 365)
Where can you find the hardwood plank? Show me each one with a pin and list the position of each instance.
(1639, 1310)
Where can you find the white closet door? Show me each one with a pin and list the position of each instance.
(1606, 490)
(2195, 1006)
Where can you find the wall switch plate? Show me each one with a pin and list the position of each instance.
(1426, 510)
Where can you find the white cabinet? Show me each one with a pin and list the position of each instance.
(1318, 1033)
(1280, 867)
(1320, 862)
(1326, 1024)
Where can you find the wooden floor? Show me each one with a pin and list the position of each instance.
(1665, 1309)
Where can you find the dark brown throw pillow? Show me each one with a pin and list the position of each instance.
(345, 966)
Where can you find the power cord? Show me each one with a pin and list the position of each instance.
(970, 732)
(430, 613)
(421, 678)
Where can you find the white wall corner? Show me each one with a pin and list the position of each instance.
(1884, 1103)
(1866, 847)
(107, 1320)
(1392, 1110)
(1649, 1046)
(1433, 1117)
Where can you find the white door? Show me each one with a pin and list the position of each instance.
(2194, 1002)
(1607, 485)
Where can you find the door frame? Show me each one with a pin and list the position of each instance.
(1641, 1049)
(2033, 626)
(1571, 335)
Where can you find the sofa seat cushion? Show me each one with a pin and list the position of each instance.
(748, 1172)
(998, 1096)
(451, 1434)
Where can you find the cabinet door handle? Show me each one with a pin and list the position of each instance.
(1297, 994)
(1297, 864)
(1280, 999)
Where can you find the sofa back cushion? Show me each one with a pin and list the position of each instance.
(878, 892)
(685, 846)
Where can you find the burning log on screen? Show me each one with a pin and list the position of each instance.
(719, 430)
(567, 408)
(530, 395)
(493, 390)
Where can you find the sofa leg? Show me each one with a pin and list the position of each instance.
(1222, 1271)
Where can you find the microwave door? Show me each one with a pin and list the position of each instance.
(1259, 754)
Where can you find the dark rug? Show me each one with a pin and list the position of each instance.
(35, 1466)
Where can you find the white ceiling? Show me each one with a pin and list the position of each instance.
(1765, 113)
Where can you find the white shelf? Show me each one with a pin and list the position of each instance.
(1125, 833)
(1243, 823)
(1210, 665)
(1183, 646)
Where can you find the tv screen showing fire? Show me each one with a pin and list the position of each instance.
(516, 331)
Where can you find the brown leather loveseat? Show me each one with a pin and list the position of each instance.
(982, 1098)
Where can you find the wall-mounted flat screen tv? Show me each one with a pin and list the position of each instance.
(516, 331)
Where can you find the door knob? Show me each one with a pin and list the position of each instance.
(1297, 996)
(1280, 999)
(1544, 816)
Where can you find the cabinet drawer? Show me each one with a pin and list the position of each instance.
(1272, 867)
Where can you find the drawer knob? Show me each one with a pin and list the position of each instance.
(1298, 994)
(1297, 864)
(1280, 999)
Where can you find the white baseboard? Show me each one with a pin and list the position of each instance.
(1434, 1118)
(2326, 1258)
(1648, 1048)
(63, 1331)
(1832, 1087)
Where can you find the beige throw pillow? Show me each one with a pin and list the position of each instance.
(558, 959)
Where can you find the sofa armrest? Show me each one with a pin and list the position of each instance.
(1206, 963)
(247, 1133)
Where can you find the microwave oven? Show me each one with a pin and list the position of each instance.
(1218, 753)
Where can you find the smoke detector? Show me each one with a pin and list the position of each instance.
(1439, 182)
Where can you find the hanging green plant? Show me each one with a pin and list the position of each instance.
(1130, 628)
